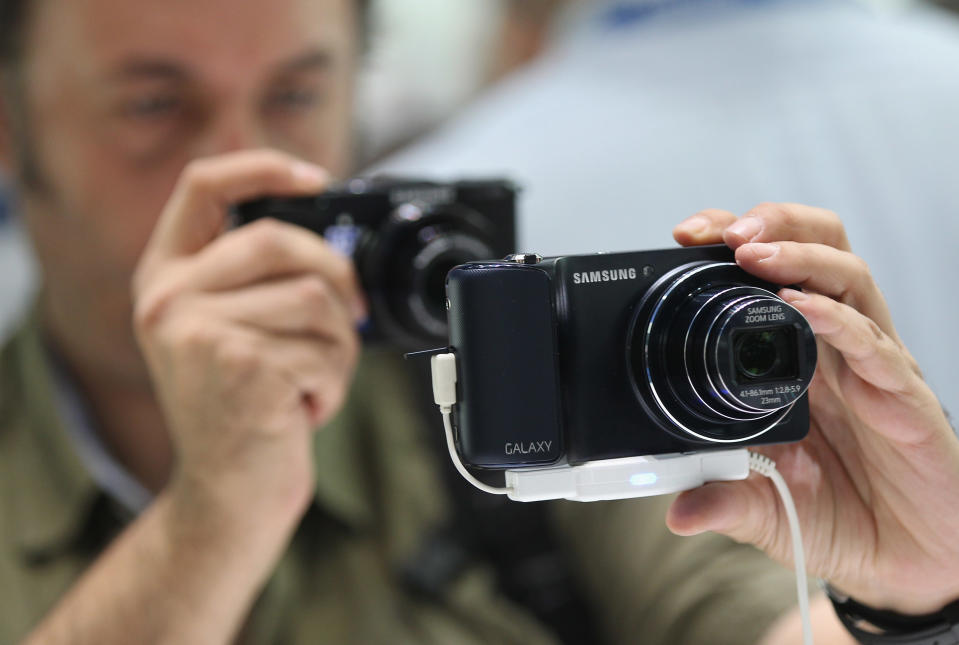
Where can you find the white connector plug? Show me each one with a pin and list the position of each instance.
(443, 367)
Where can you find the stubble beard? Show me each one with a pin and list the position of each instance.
(36, 193)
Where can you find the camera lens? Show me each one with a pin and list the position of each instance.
(411, 257)
(717, 355)
(434, 285)
(756, 354)
(767, 353)
(441, 250)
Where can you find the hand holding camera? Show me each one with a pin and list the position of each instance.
(403, 236)
(606, 365)
(875, 481)
(250, 340)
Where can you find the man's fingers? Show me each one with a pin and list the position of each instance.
(791, 222)
(266, 250)
(705, 227)
(884, 384)
(207, 188)
(822, 269)
(302, 306)
(258, 370)
(869, 351)
(316, 369)
(768, 222)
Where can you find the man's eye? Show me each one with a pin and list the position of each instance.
(293, 99)
(152, 107)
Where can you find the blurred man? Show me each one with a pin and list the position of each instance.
(160, 481)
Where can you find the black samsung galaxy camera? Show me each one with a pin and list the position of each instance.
(404, 236)
(580, 358)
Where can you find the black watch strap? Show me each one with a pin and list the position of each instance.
(940, 628)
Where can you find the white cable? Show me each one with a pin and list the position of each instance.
(445, 411)
(443, 367)
(767, 467)
(444, 394)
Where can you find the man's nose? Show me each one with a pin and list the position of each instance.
(232, 130)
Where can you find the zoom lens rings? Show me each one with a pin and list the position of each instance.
(716, 355)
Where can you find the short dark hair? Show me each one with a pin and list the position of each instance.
(13, 16)
(13, 20)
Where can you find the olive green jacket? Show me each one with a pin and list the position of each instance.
(378, 493)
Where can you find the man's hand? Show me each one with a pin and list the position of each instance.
(249, 337)
(876, 480)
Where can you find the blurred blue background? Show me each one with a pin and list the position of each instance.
(17, 271)
(4, 206)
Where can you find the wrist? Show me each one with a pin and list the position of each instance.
(231, 509)
(235, 549)
(271, 481)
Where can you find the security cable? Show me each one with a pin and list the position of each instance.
(767, 467)
(444, 394)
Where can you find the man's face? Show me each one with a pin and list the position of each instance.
(120, 94)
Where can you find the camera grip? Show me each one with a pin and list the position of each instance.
(504, 336)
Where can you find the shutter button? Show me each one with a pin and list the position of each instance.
(524, 258)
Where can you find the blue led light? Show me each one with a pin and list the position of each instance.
(643, 479)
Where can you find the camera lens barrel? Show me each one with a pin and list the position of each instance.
(438, 251)
(408, 261)
(716, 356)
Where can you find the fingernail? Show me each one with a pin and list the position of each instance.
(694, 225)
(746, 227)
(309, 173)
(763, 251)
(791, 295)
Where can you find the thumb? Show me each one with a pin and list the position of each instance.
(746, 511)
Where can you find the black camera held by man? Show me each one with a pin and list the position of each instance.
(579, 359)
(404, 236)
